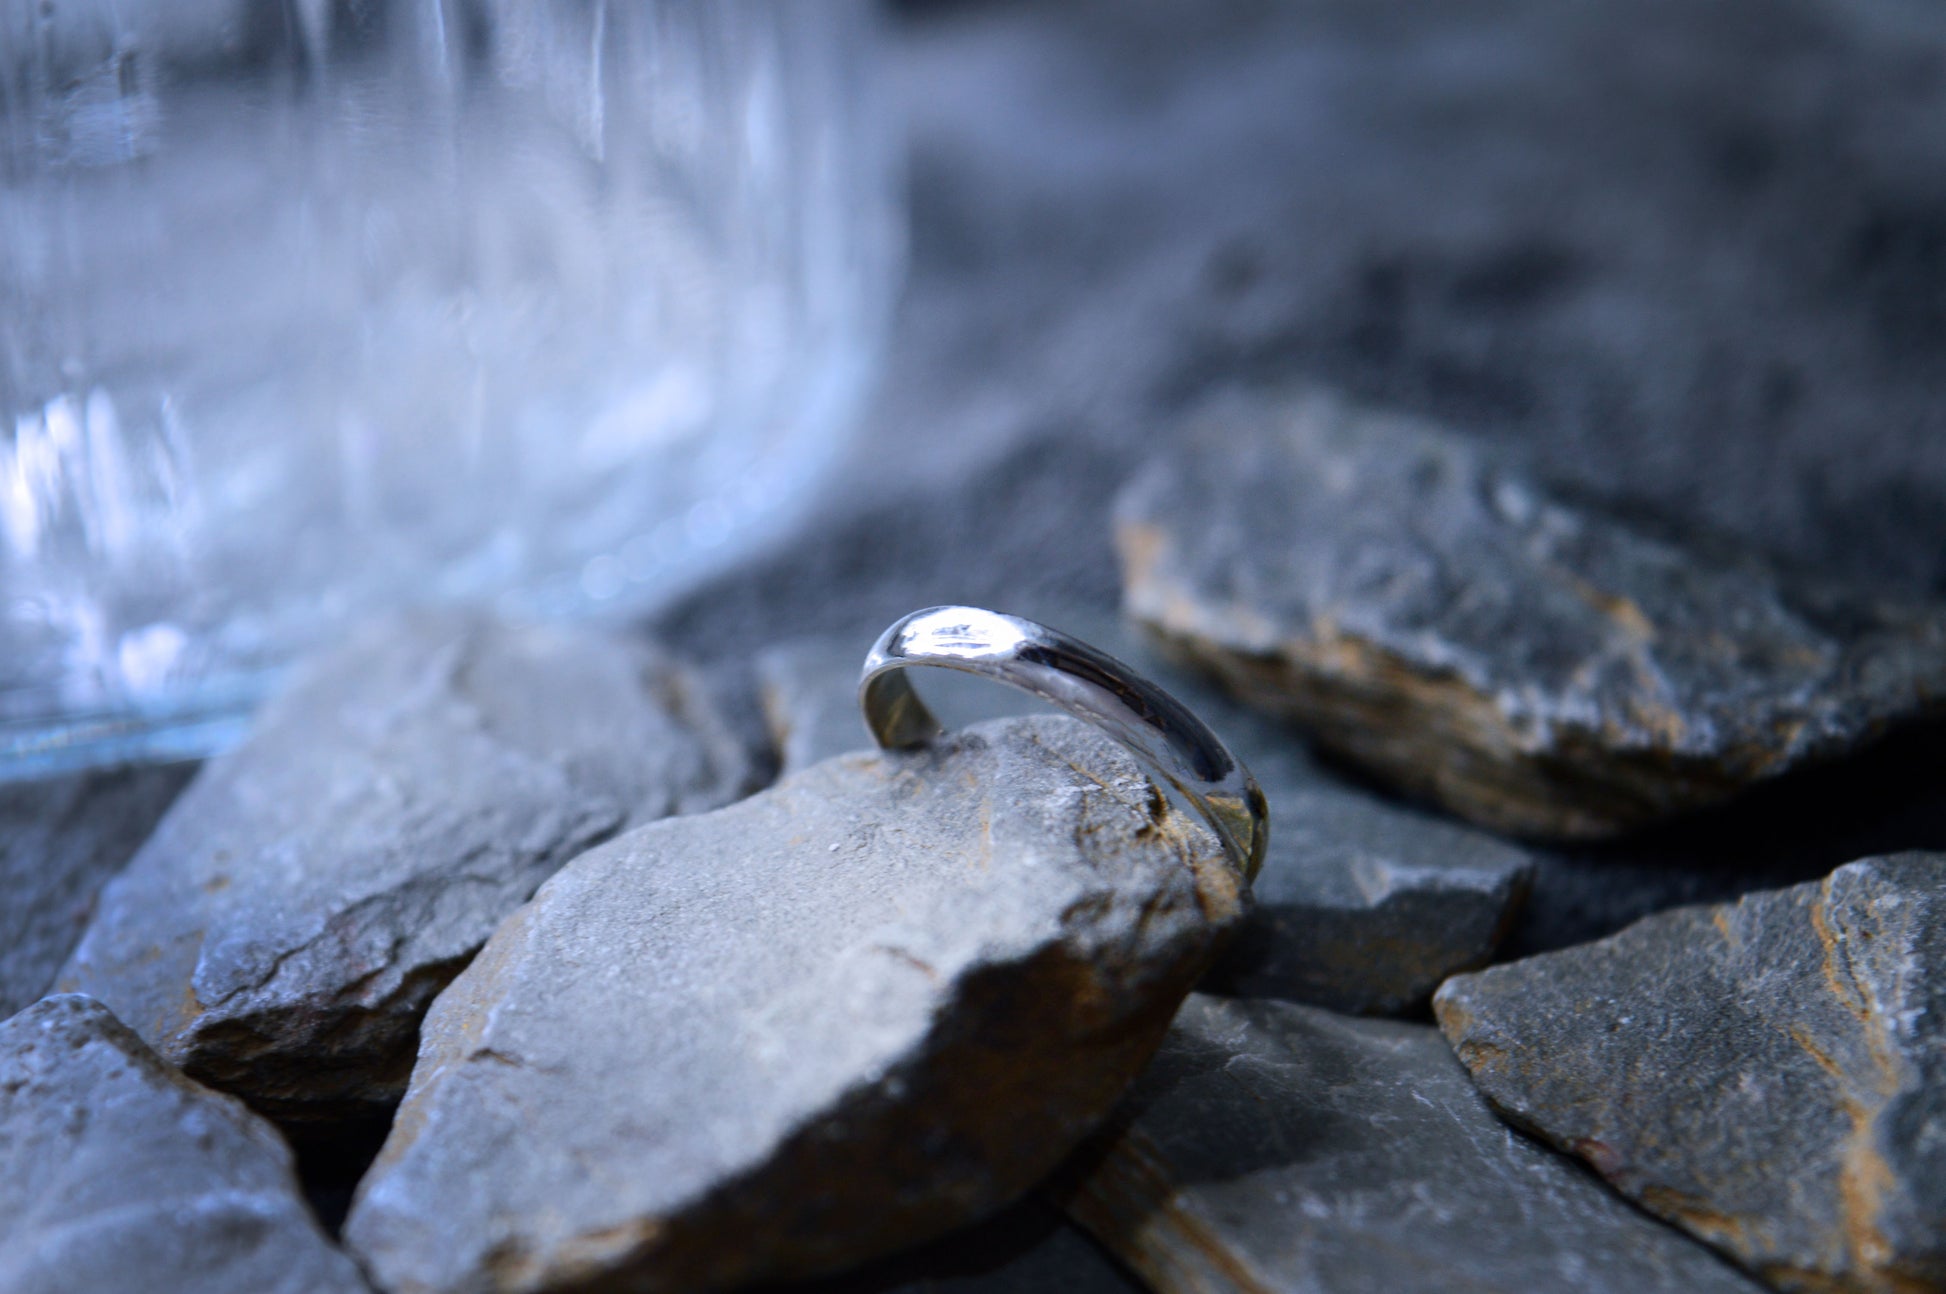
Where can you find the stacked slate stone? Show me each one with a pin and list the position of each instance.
(1592, 950)
(1769, 1075)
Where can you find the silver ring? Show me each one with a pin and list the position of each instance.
(1087, 683)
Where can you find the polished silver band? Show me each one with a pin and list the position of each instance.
(1089, 684)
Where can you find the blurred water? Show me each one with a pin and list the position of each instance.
(312, 307)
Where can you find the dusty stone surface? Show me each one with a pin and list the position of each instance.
(1769, 1074)
(1362, 906)
(60, 840)
(117, 1173)
(1365, 907)
(1539, 665)
(865, 1006)
(1277, 1147)
(281, 933)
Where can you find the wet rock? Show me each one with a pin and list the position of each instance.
(1276, 1147)
(1364, 907)
(281, 933)
(1537, 664)
(60, 839)
(863, 1007)
(1770, 1074)
(117, 1173)
(1361, 906)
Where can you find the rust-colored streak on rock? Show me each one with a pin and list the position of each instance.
(1763, 1062)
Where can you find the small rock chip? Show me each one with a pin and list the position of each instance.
(281, 933)
(1535, 664)
(117, 1173)
(1275, 1147)
(60, 840)
(861, 1008)
(1360, 906)
(1770, 1074)
(1365, 908)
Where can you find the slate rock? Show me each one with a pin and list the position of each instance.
(1361, 906)
(118, 1173)
(1769, 1074)
(1533, 662)
(872, 1003)
(1278, 1147)
(282, 932)
(60, 840)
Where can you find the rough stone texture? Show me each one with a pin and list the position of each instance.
(281, 933)
(867, 1005)
(1770, 1075)
(1537, 664)
(60, 839)
(1275, 1147)
(1027, 1249)
(1361, 906)
(117, 1173)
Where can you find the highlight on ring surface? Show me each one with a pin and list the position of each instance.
(1087, 683)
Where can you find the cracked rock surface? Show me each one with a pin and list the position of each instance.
(1277, 1147)
(117, 1173)
(1769, 1074)
(870, 1004)
(1535, 663)
(60, 840)
(282, 932)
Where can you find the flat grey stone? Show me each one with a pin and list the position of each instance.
(870, 1004)
(281, 933)
(1770, 1075)
(60, 840)
(1276, 1147)
(1361, 906)
(1534, 663)
(118, 1173)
